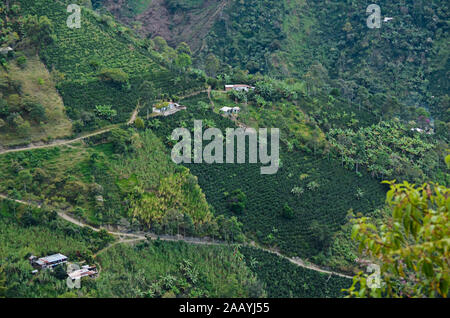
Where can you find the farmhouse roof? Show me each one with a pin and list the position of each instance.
(5, 50)
(81, 273)
(52, 258)
(238, 85)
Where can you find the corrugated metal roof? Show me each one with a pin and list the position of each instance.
(81, 273)
(238, 86)
(52, 258)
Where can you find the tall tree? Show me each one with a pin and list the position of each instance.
(38, 30)
(212, 65)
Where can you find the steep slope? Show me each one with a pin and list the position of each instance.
(399, 59)
(329, 191)
(408, 57)
(176, 21)
(104, 71)
(124, 271)
(31, 108)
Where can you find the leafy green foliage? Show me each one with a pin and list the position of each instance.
(176, 200)
(124, 175)
(102, 63)
(266, 195)
(287, 38)
(115, 75)
(412, 247)
(390, 150)
(3, 287)
(288, 212)
(38, 30)
(253, 33)
(283, 279)
(139, 123)
(156, 269)
(26, 231)
(175, 269)
(105, 111)
(237, 201)
(183, 4)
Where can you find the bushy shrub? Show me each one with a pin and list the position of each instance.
(115, 75)
(21, 60)
(237, 201)
(288, 212)
(105, 111)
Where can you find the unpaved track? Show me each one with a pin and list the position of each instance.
(56, 142)
(133, 116)
(210, 99)
(116, 243)
(134, 237)
(63, 142)
(193, 94)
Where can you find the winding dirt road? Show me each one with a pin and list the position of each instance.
(56, 143)
(134, 237)
(133, 115)
(63, 142)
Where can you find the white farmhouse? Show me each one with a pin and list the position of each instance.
(230, 110)
(5, 50)
(239, 87)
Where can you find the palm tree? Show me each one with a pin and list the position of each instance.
(155, 123)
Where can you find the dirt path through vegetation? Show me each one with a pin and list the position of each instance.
(193, 94)
(133, 115)
(62, 142)
(56, 143)
(210, 99)
(134, 237)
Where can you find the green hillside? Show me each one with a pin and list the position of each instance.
(87, 116)
(407, 58)
(285, 38)
(158, 269)
(100, 64)
(285, 280)
(317, 209)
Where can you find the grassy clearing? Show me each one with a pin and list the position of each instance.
(36, 84)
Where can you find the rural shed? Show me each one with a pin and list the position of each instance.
(238, 87)
(86, 270)
(50, 261)
(230, 110)
(5, 50)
